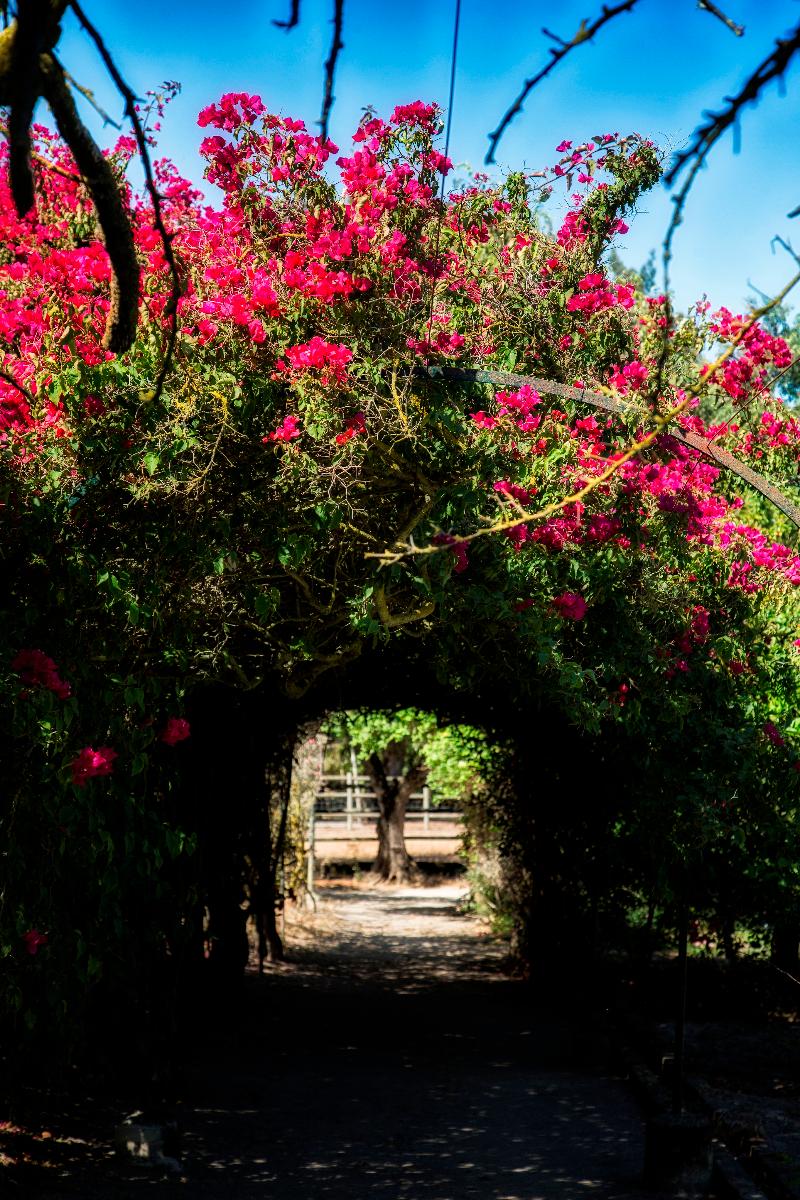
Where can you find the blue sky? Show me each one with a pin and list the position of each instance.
(654, 71)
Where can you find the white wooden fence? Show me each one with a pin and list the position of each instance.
(350, 799)
(344, 818)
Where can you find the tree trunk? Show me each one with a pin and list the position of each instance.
(784, 948)
(278, 779)
(393, 863)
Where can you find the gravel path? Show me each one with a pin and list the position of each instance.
(392, 1058)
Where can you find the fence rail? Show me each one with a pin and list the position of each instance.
(356, 803)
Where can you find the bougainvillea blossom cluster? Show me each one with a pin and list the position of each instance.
(177, 729)
(37, 670)
(92, 763)
(570, 605)
(316, 307)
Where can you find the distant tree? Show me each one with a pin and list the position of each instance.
(784, 321)
(400, 751)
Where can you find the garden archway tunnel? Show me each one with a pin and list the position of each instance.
(550, 807)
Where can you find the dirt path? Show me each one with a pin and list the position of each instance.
(391, 1058)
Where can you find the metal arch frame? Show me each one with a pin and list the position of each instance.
(597, 400)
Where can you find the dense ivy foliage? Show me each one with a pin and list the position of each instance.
(301, 494)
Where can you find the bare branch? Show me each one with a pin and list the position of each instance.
(89, 95)
(294, 17)
(585, 33)
(337, 45)
(392, 620)
(709, 7)
(707, 135)
(7, 377)
(171, 308)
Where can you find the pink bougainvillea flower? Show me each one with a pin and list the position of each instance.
(457, 548)
(91, 763)
(33, 939)
(287, 431)
(416, 113)
(773, 733)
(233, 109)
(570, 606)
(353, 426)
(37, 670)
(175, 730)
(331, 358)
(93, 406)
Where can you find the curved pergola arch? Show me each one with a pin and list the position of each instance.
(706, 446)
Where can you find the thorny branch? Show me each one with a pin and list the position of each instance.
(523, 517)
(709, 7)
(705, 138)
(337, 45)
(708, 134)
(171, 308)
(584, 34)
(89, 95)
(293, 19)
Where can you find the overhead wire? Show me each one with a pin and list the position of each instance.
(448, 130)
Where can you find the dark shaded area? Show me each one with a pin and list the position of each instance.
(377, 1064)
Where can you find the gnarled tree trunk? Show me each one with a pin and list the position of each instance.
(393, 863)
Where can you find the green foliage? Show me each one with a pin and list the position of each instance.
(223, 531)
(453, 756)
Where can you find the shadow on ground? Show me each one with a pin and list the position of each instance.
(391, 1057)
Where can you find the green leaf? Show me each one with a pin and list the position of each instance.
(139, 763)
(134, 696)
(266, 603)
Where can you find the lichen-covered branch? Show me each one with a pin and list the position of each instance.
(35, 31)
(112, 214)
